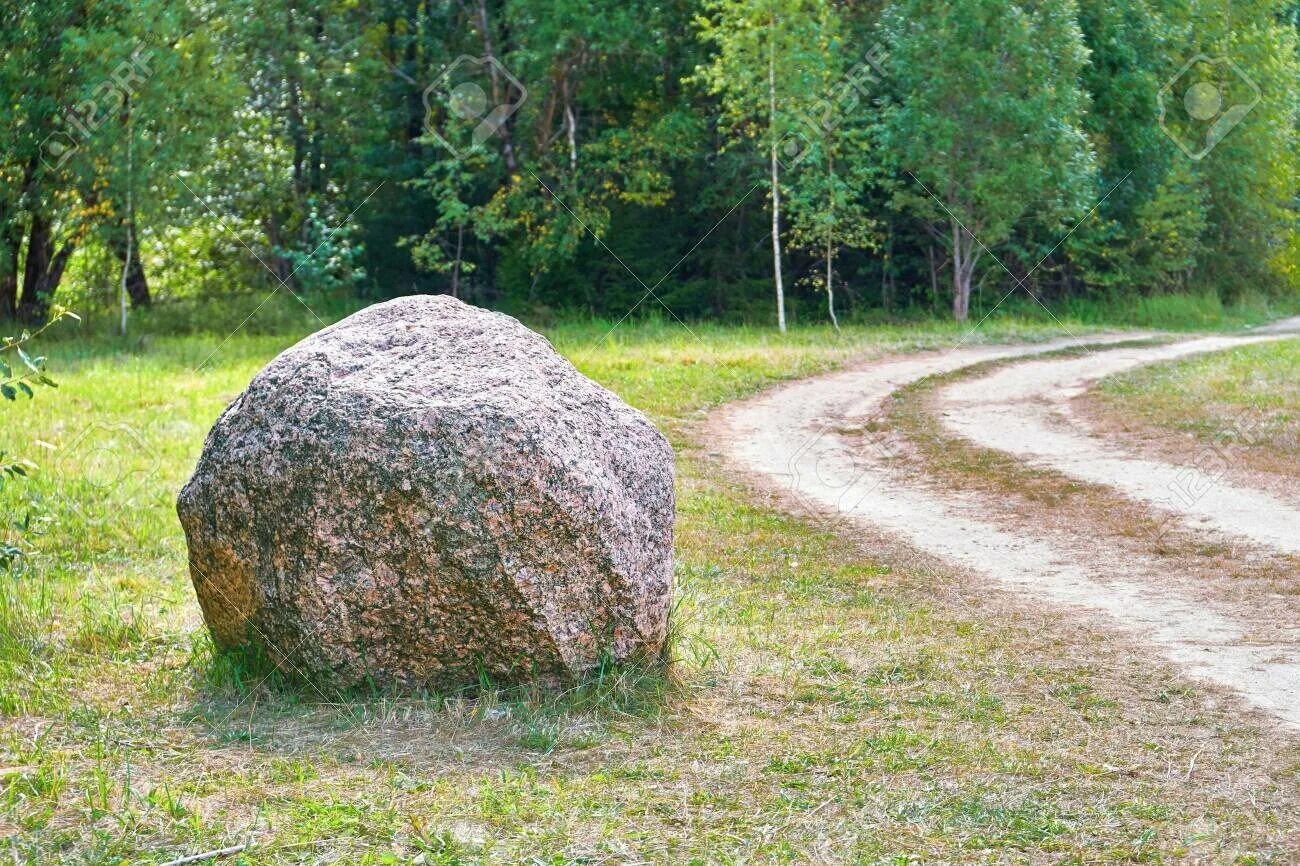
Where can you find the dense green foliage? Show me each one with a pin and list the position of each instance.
(543, 155)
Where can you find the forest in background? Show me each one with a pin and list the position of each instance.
(691, 158)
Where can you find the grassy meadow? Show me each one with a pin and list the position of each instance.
(831, 699)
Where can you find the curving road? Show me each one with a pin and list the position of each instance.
(1024, 410)
(798, 438)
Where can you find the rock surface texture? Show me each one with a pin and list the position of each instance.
(427, 492)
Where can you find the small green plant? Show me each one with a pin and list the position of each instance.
(18, 378)
(327, 258)
(19, 371)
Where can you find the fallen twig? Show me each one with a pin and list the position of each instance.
(208, 855)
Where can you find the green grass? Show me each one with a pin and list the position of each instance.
(1248, 398)
(826, 701)
(1176, 312)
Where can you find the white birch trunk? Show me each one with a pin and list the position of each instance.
(776, 189)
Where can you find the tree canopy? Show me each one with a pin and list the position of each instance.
(691, 157)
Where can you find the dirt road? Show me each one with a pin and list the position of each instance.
(1024, 410)
(800, 439)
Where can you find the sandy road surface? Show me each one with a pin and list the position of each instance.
(1024, 410)
(792, 438)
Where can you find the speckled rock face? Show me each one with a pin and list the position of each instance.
(426, 491)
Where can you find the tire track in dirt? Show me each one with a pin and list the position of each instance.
(796, 438)
(1024, 410)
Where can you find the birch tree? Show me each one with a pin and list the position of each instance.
(827, 206)
(765, 73)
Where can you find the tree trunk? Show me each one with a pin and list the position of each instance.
(126, 270)
(498, 97)
(776, 191)
(830, 285)
(43, 271)
(961, 299)
(964, 255)
(934, 271)
(830, 238)
(137, 287)
(31, 306)
(296, 121)
(13, 238)
(414, 98)
(316, 146)
(887, 262)
(958, 289)
(279, 264)
(455, 271)
(128, 253)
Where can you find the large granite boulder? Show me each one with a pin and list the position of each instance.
(424, 493)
